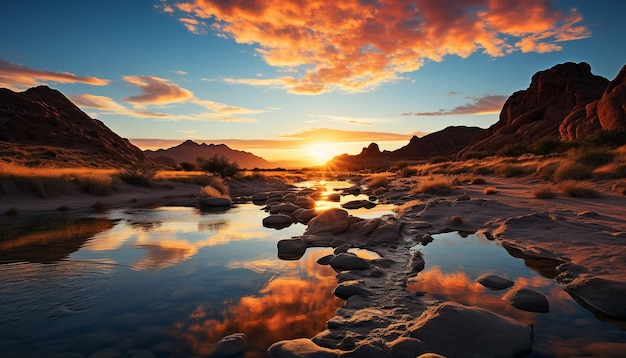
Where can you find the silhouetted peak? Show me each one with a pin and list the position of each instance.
(372, 149)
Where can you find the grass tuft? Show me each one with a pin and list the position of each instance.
(379, 180)
(570, 170)
(436, 186)
(490, 190)
(576, 189)
(544, 192)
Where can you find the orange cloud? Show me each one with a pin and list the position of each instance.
(356, 45)
(18, 77)
(155, 90)
(483, 105)
(335, 135)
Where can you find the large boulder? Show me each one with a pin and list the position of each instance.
(331, 221)
(278, 221)
(527, 299)
(454, 330)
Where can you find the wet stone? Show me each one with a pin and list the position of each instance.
(346, 261)
(494, 282)
(527, 299)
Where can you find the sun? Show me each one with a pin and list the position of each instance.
(320, 153)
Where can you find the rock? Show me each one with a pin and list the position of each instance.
(277, 221)
(304, 215)
(342, 248)
(358, 204)
(527, 299)
(494, 282)
(216, 202)
(346, 261)
(285, 208)
(259, 198)
(305, 202)
(603, 295)
(351, 288)
(230, 345)
(454, 330)
(325, 260)
(299, 348)
(611, 108)
(335, 198)
(291, 249)
(417, 262)
(331, 221)
(355, 302)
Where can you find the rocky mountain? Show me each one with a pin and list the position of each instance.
(564, 102)
(189, 151)
(41, 127)
(446, 142)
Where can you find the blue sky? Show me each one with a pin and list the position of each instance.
(275, 78)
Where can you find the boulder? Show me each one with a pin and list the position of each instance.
(603, 295)
(331, 221)
(350, 288)
(335, 198)
(346, 261)
(611, 108)
(230, 345)
(259, 198)
(305, 202)
(494, 282)
(277, 221)
(454, 330)
(291, 249)
(216, 202)
(527, 299)
(302, 347)
(304, 215)
(358, 204)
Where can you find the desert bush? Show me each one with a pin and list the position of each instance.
(544, 192)
(408, 172)
(619, 187)
(439, 159)
(473, 155)
(603, 138)
(379, 180)
(577, 189)
(593, 157)
(569, 170)
(513, 150)
(610, 171)
(219, 165)
(188, 167)
(490, 190)
(436, 186)
(549, 145)
(138, 174)
(97, 184)
(211, 192)
(478, 181)
(547, 169)
(511, 170)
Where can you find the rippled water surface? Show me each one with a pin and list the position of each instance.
(172, 281)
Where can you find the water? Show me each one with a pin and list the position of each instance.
(171, 280)
(174, 281)
(453, 262)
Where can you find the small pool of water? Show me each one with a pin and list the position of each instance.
(453, 262)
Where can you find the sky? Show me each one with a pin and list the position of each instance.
(296, 80)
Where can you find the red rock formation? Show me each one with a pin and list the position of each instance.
(555, 96)
(42, 127)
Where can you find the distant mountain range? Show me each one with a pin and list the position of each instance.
(189, 151)
(565, 102)
(41, 127)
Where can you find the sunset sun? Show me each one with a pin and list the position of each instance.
(321, 153)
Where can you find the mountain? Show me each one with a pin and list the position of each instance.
(42, 127)
(446, 142)
(564, 102)
(189, 151)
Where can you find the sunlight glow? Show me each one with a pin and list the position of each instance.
(320, 153)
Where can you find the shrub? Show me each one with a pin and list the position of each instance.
(490, 190)
(548, 145)
(611, 171)
(569, 170)
(211, 192)
(544, 192)
(512, 170)
(478, 181)
(578, 189)
(188, 167)
(513, 150)
(594, 157)
(473, 155)
(219, 165)
(436, 186)
(138, 174)
(619, 187)
(97, 184)
(546, 170)
(407, 172)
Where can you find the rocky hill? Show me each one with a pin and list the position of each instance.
(189, 151)
(564, 102)
(41, 127)
(446, 142)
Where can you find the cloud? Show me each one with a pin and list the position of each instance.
(484, 105)
(155, 90)
(335, 135)
(357, 45)
(20, 77)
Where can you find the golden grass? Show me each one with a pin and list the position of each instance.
(436, 185)
(576, 189)
(571, 170)
(379, 180)
(544, 192)
(490, 190)
(211, 192)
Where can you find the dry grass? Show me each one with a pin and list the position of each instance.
(490, 190)
(379, 180)
(544, 192)
(436, 185)
(211, 192)
(610, 171)
(577, 189)
(50, 182)
(571, 170)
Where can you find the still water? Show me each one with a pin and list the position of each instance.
(158, 282)
(453, 262)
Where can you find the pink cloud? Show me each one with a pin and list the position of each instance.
(355, 45)
(483, 105)
(20, 77)
(155, 90)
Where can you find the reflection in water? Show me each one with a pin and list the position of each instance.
(46, 239)
(453, 263)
